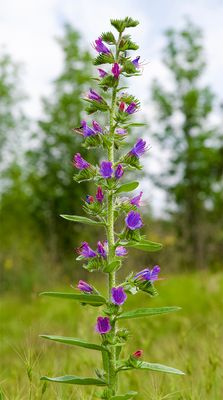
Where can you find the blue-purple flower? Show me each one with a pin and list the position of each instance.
(84, 287)
(139, 148)
(100, 46)
(131, 108)
(102, 73)
(92, 95)
(106, 169)
(135, 201)
(121, 131)
(133, 220)
(79, 162)
(120, 251)
(148, 275)
(101, 250)
(135, 62)
(103, 325)
(116, 70)
(85, 251)
(99, 195)
(119, 171)
(87, 131)
(89, 199)
(97, 127)
(118, 295)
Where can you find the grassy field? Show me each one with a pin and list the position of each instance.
(191, 340)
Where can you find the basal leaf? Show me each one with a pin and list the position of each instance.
(75, 380)
(127, 187)
(147, 312)
(73, 342)
(82, 220)
(91, 299)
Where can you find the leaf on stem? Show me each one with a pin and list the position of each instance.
(83, 220)
(94, 300)
(144, 245)
(73, 342)
(127, 187)
(147, 312)
(75, 380)
(154, 367)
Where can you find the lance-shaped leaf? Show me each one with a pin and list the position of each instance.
(74, 342)
(92, 299)
(147, 312)
(113, 266)
(127, 396)
(127, 187)
(75, 380)
(154, 367)
(82, 220)
(144, 245)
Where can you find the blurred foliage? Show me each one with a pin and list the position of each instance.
(193, 177)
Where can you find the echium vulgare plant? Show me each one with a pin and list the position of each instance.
(104, 209)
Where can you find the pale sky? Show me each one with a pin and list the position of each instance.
(28, 29)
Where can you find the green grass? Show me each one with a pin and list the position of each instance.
(191, 340)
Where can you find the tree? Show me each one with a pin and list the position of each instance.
(195, 165)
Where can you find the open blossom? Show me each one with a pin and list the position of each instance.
(135, 62)
(79, 162)
(85, 251)
(103, 325)
(106, 169)
(101, 250)
(99, 194)
(120, 251)
(100, 46)
(133, 220)
(148, 275)
(89, 199)
(135, 201)
(84, 287)
(131, 108)
(118, 296)
(92, 95)
(139, 148)
(121, 131)
(97, 127)
(119, 171)
(138, 354)
(87, 131)
(102, 73)
(116, 70)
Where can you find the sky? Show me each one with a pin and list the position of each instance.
(28, 29)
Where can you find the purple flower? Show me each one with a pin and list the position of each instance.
(116, 70)
(135, 201)
(97, 127)
(118, 296)
(102, 73)
(121, 131)
(99, 194)
(119, 171)
(89, 199)
(101, 250)
(87, 131)
(135, 62)
(131, 108)
(103, 325)
(84, 287)
(85, 251)
(106, 169)
(92, 95)
(79, 162)
(121, 251)
(139, 148)
(138, 354)
(100, 46)
(148, 275)
(133, 220)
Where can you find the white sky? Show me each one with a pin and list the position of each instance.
(28, 29)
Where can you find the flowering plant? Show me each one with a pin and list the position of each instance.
(104, 209)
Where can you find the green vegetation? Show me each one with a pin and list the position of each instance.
(190, 339)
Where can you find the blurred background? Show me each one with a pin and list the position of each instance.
(45, 69)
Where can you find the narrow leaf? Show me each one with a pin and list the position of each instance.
(147, 312)
(113, 266)
(73, 342)
(154, 367)
(75, 380)
(144, 245)
(127, 187)
(83, 220)
(127, 396)
(83, 298)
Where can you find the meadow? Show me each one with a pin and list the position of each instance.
(191, 340)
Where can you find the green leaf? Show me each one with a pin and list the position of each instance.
(73, 342)
(104, 59)
(91, 299)
(113, 266)
(127, 187)
(127, 396)
(147, 312)
(83, 220)
(108, 37)
(160, 368)
(121, 24)
(75, 380)
(144, 245)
